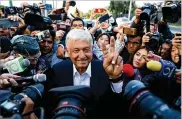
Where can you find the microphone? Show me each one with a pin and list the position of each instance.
(17, 65)
(154, 65)
(34, 78)
(131, 73)
(128, 70)
(163, 68)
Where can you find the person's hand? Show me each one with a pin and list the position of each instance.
(60, 52)
(29, 106)
(113, 63)
(92, 15)
(137, 13)
(145, 39)
(97, 24)
(33, 33)
(177, 42)
(60, 33)
(4, 55)
(16, 18)
(41, 6)
(7, 80)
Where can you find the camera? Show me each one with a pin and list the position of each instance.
(13, 104)
(42, 35)
(37, 21)
(72, 101)
(144, 104)
(172, 11)
(147, 11)
(154, 41)
(72, 3)
(34, 9)
(11, 10)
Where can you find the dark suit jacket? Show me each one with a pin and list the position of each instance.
(106, 102)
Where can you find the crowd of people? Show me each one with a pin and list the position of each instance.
(92, 56)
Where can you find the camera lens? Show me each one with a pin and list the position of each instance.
(144, 104)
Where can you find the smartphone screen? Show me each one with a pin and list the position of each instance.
(129, 31)
(59, 11)
(6, 23)
(104, 18)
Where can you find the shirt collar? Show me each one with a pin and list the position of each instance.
(88, 71)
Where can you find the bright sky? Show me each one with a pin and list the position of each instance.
(84, 6)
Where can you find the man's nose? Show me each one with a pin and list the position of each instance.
(82, 54)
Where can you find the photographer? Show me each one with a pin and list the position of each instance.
(46, 47)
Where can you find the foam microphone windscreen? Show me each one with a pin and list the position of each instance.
(154, 65)
(128, 70)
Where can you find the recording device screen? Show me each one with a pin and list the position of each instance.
(104, 18)
(6, 23)
(61, 27)
(42, 35)
(8, 105)
(129, 31)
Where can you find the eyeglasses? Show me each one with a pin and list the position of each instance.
(133, 43)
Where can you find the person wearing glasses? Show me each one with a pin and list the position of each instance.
(132, 45)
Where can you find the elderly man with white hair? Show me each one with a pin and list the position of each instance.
(103, 78)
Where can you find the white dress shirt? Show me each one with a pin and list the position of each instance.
(84, 79)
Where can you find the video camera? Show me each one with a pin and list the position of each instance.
(12, 10)
(154, 41)
(34, 9)
(147, 11)
(72, 101)
(42, 35)
(39, 22)
(144, 104)
(13, 105)
(72, 3)
(172, 11)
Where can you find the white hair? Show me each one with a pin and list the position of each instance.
(78, 34)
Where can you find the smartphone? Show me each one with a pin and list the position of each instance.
(153, 56)
(59, 11)
(61, 27)
(6, 23)
(104, 18)
(129, 31)
(177, 34)
(61, 17)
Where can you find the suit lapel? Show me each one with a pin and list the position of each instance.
(94, 80)
(68, 76)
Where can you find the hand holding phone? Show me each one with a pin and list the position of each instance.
(177, 40)
(7, 23)
(104, 18)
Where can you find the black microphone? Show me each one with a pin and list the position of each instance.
(34, 78)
